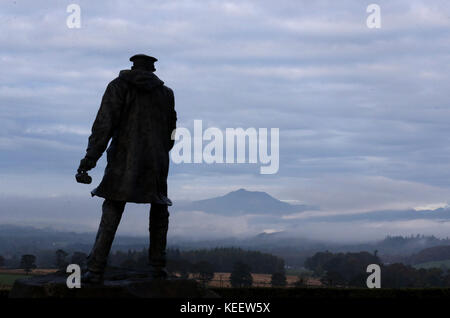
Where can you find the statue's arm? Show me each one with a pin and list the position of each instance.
(172, 118)
(106, 121)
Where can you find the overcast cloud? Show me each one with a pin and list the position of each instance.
(363, 113)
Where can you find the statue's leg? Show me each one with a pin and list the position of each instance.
(159, 224)
(112, 213)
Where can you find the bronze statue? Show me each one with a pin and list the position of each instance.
(137, 113)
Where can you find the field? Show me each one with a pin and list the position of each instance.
(38, 271)
(9, 276)
(8, 279)
(259, 280)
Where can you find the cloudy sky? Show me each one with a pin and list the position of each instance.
(363, 113)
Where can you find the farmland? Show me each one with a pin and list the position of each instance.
(259, 280)
(9, 276)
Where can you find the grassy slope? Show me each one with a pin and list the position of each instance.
(9, 279)
(435, 264)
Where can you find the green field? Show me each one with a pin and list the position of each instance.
(435, 264)
(9, 279)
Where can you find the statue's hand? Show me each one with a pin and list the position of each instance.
(85, 164)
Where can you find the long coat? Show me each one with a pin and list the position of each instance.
(138, 114)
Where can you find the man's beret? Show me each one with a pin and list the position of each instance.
(143, 58)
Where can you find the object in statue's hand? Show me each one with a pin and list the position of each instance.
(83, 177)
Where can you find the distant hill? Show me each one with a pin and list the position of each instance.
(390, 215)
(432, 254)
(26, 239)
(435, 264)
(18, 240)
(242, 202)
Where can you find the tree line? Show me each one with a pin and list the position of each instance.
(349, 269)
(221, 259)
(333, 269)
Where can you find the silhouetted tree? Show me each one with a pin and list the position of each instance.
(301, 281)
(61, 259)
(129, 263)
(204, 271)
(28, 262)
(341, 268)
(332, 278)
(79, 258)
(317, 262)
(2, 261)
(278, 279)
(241, 275)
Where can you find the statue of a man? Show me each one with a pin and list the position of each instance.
(137, 114)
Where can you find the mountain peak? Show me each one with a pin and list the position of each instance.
(242, 201)
(243, 191)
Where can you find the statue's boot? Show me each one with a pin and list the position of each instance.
(157, 272)
(97, 259)
(159, 224)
